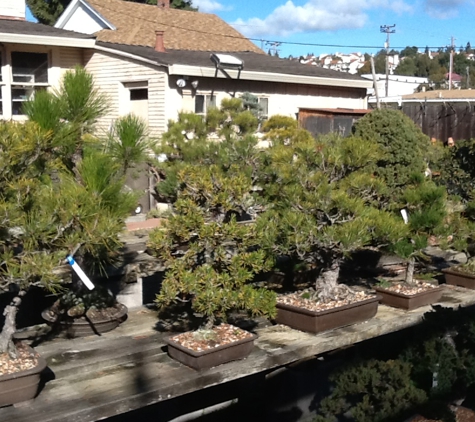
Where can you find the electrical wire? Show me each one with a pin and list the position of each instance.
(263, 40)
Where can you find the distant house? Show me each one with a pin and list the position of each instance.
(33, 57)
(156, 61)
(453, 78)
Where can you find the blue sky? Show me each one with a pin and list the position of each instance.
(349, 23)
(325, 26)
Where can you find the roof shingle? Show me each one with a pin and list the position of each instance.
(184, 30)
(10, 26)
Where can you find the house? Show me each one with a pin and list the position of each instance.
(156, 61)
(398, 85)
(33, 57)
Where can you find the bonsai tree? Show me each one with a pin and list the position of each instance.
(211, 259)
(59, 194)
(324, 203)
(425, 210)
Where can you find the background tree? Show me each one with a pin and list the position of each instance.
(48, 11)
(406, 150)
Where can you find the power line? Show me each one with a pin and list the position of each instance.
(270, 41)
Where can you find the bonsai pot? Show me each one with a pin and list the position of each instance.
(23, 385)
(318, 321)
(83, 326)
(409, 302)
(458, 278)
(202, 359)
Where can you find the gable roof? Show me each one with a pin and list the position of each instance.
(257, 66)
(23, 32)
(136, 24)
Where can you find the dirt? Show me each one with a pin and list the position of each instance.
(295, 299)
(27, 359)
(408, 289)
(209, 339)
(462, 414)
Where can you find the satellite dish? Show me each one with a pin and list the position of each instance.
(181, 83)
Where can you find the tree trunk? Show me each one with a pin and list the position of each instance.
(327, 283)
(410, 270)
(9, 327)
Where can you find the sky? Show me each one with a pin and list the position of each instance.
(330, 26)
(345, 26)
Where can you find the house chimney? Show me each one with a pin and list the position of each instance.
(159, 44)
(163, 4)
(13, 9)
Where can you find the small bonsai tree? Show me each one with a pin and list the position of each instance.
(325, 204)
(211, 259)
(424, 207)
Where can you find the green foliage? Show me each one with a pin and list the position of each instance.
(405, 148)
(457, 169)
(324, 203)
(128, 141)
(284, 130)
(377, 391)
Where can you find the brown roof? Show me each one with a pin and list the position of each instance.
(453, 94)
(184, 30)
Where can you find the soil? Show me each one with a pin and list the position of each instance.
(27, 359)
(209, 339)
(295, 299)
(408, 289)
(462, 414)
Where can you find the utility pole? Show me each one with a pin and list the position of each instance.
(468, 76)
(451, 66)
(387, 29)
(273, 47)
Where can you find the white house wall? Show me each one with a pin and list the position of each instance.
(283, 98)
(82, 20)
(112, 74)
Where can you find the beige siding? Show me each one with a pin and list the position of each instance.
(112, 72)
(70, 57)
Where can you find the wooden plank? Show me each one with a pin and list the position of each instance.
(128, 368)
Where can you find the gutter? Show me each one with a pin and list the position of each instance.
(210, 72)
(47, 40)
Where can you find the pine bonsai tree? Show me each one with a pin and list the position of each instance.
(57, 196)
(211, 259)
(426, 209)
(324, 203)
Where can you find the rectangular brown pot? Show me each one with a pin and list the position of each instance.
(212, 357)
(21, 386)
(316, 322)
(457, 278)
(409, 302)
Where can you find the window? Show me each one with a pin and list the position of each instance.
(134, 99)
(29, 75)
(138, 94)
(204, 102)
(264, 107)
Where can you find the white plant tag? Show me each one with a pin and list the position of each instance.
(84, 278)
(405, 216)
